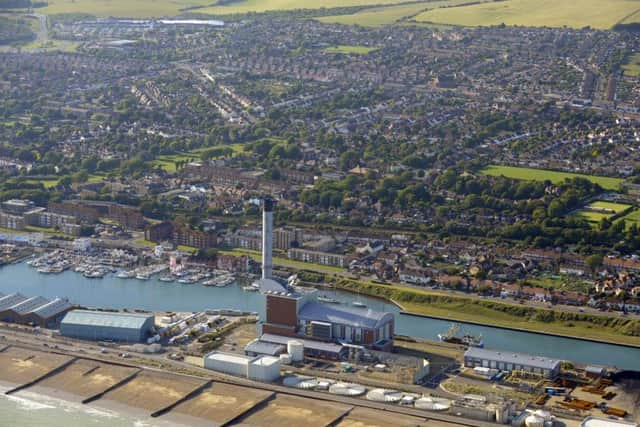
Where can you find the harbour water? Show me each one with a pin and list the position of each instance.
(153, 294)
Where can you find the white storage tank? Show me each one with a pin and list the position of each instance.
(347, 389)
(296, 350)
(384, 395)
(534, 421)
(432, 404)
(285, 359)
(265, 368)
(227, 363)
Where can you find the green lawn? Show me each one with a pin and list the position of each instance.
(553, 176)
(602, 14)
(347, 49)
(631, 66)
(122, 8)
(380, 16)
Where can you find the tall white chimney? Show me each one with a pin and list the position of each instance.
(267, 237)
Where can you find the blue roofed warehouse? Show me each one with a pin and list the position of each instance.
(107, 326)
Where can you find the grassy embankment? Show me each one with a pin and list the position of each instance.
(555, 177)
(602, 14)
(613, 329)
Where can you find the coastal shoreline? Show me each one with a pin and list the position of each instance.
(40, 397)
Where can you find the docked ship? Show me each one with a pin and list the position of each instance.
(451, 336)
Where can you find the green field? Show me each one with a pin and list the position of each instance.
(602, 14)
(346, 49)
(531, 174)
(593, 217)
(631, 218)
(267, 5)
(168, 161)
(614, 207)
(122, 8)
(596, 217)
(632, 65)
(387, 15)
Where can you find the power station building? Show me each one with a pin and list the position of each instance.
(296, 312)
(107, 326)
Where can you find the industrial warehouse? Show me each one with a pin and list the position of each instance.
(506, 361)
(109, 326)
(37, 311)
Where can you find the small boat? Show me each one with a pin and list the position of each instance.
(188, 280)
(451, 336)
(250, 288)
(166, 279)
(221, 282)
(94, 274)
(142, 276)
(359, 304)
(125, 275)
(328, 300)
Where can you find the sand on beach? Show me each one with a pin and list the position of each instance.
(221, 403)
(152, 390)
(363, 417)
(85, 378)
(295, 411)
(20, 366)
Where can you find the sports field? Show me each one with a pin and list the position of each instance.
(380, 16)
(553, 13)
(265, 5)
(531, 174)
(631, 66)
(122, 8)
(346, 49)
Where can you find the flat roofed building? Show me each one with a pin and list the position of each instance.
(103, 325)
(257, 347)
(509, 361)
